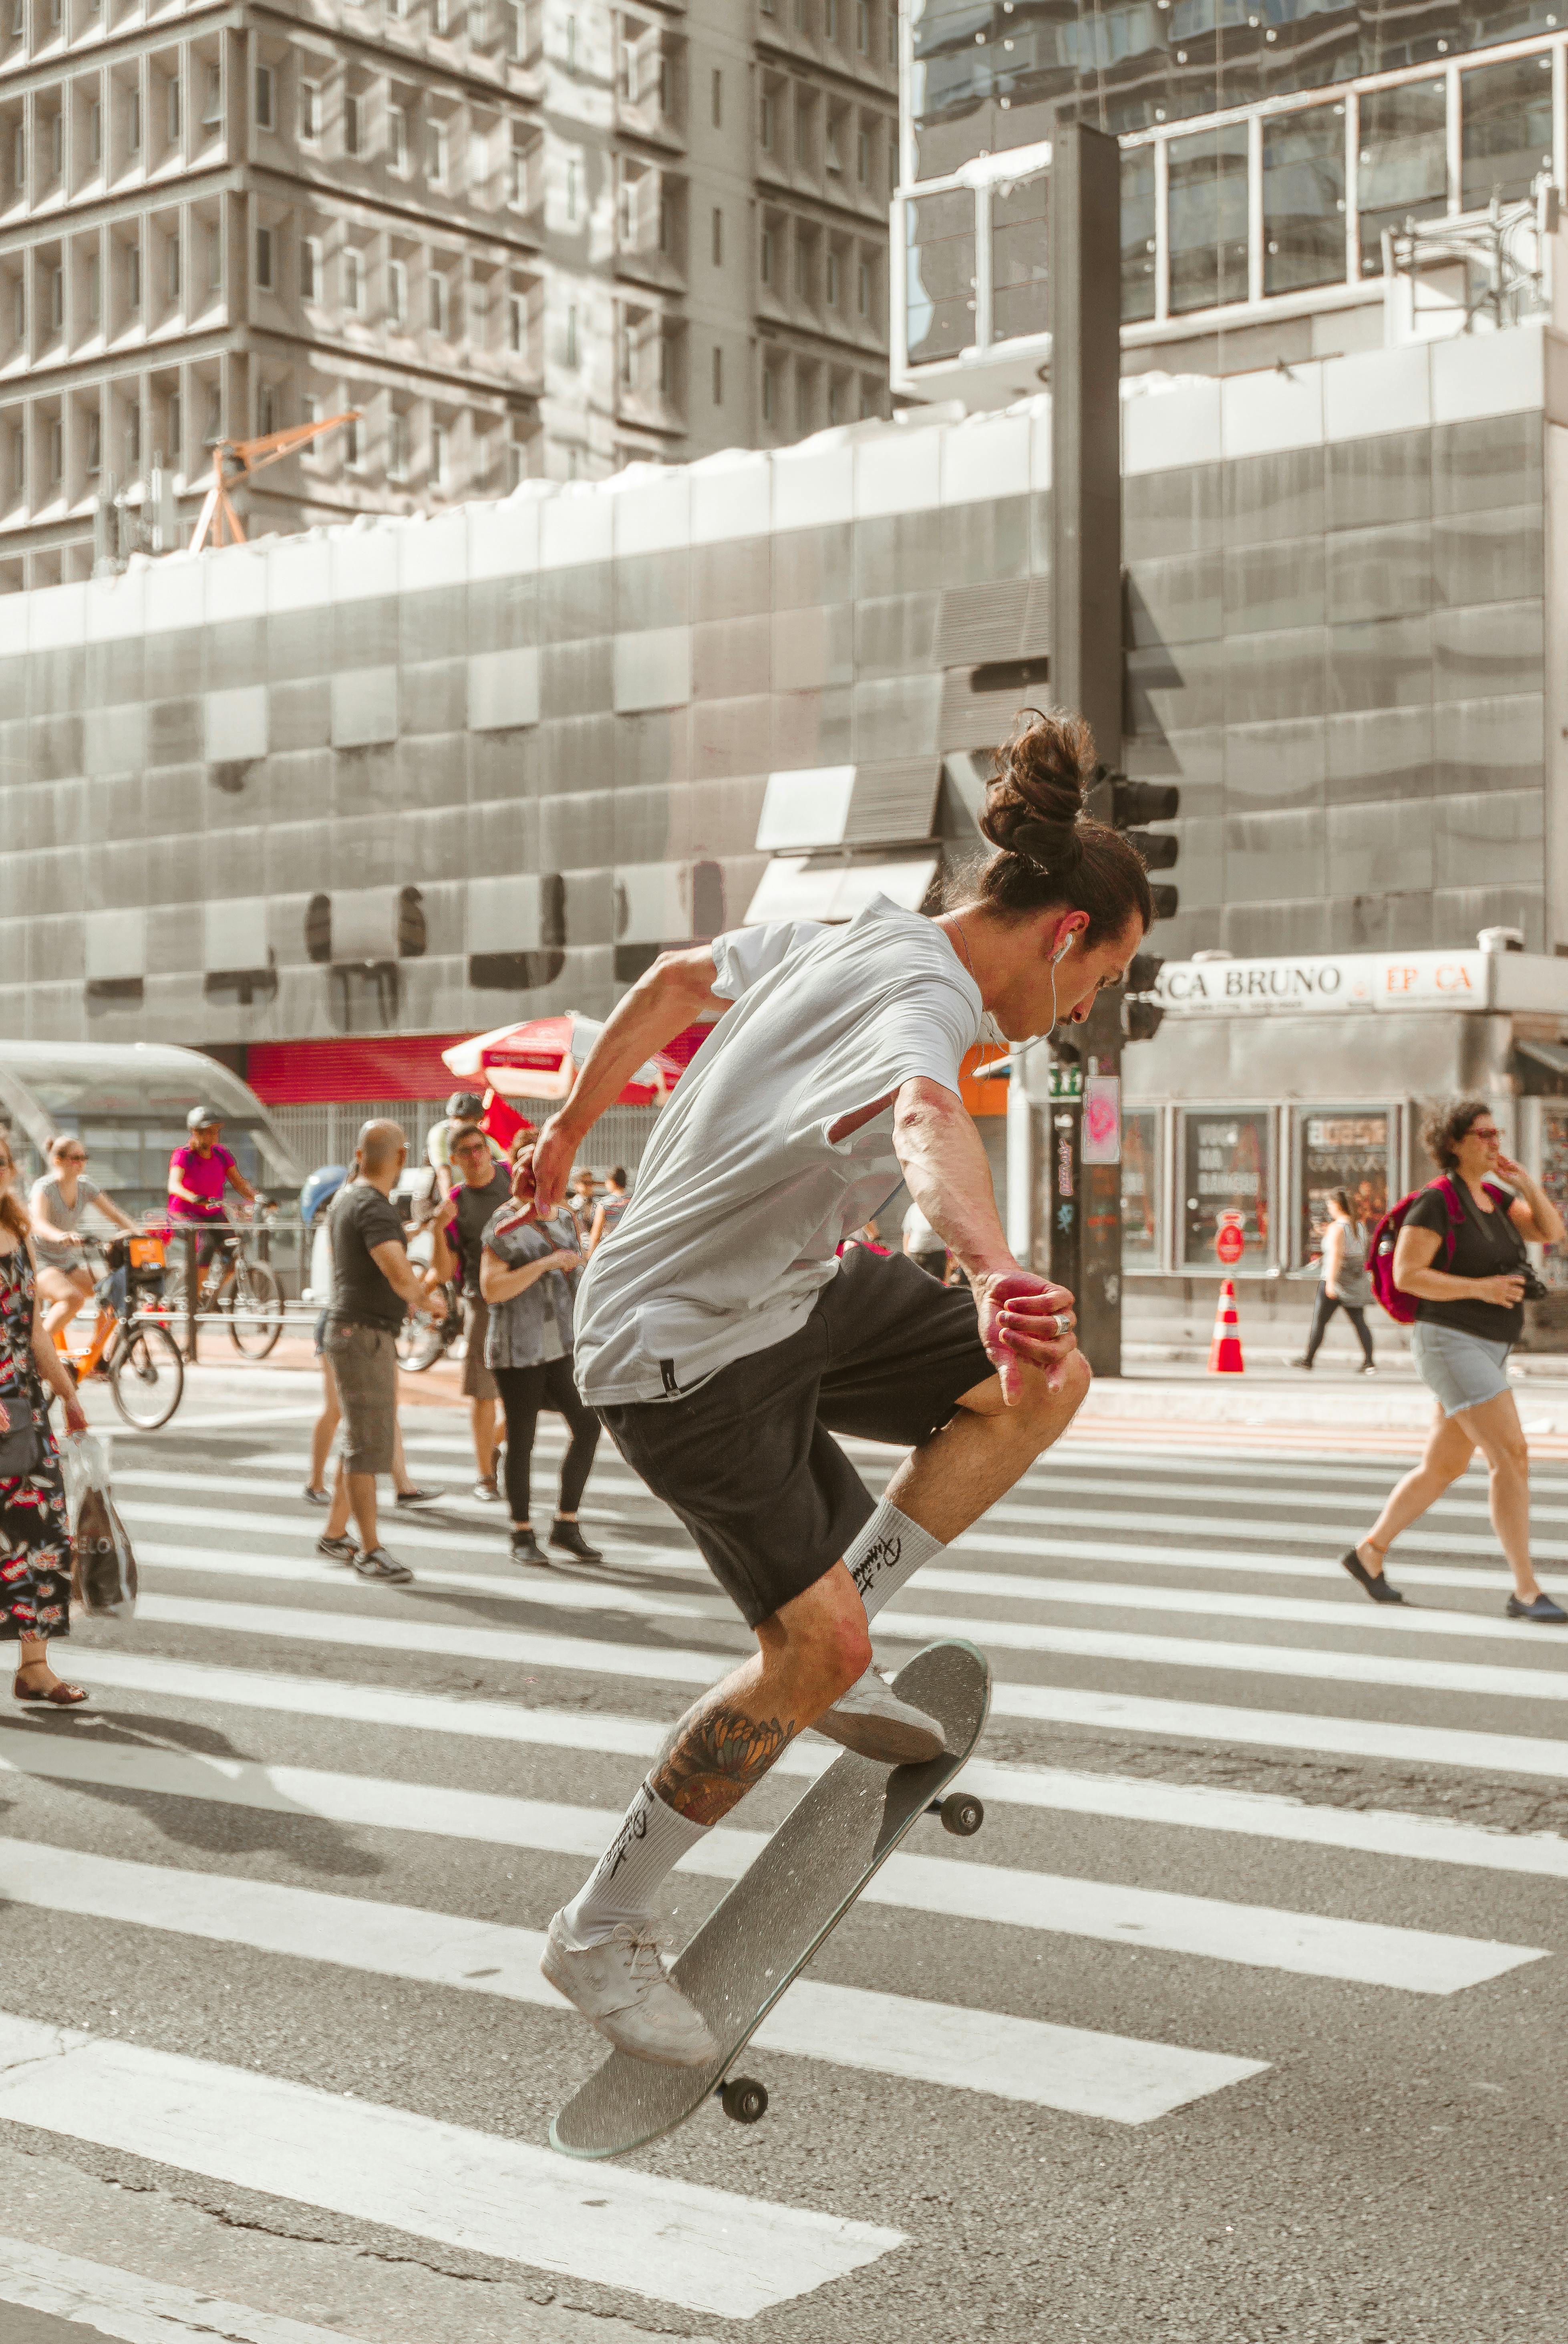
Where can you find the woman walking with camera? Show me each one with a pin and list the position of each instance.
(1461, 1252)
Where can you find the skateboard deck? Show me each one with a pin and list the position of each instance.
(771, 1922)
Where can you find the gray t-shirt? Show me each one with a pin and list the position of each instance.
(44, 1197)
(536, 1326)
(742, 1200)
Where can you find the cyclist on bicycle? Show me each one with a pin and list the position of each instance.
(199, 1175)
(55, 1202)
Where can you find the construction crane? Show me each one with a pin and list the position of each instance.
(217, 522)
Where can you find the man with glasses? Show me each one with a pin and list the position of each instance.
(55, 1202)
(374, 1285)
(483, 1187)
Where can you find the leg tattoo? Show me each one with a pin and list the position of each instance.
(713, 1757)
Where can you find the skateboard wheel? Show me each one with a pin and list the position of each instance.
(744, 2099)
(961, 1813)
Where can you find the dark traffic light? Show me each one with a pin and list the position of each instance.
(1127, 806)
(1141, 1014)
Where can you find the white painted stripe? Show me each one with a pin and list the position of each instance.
(965, 2049)
(704, 2250)
(1421, 1675)
(1259, 1814)
(1284, 1729)
(139, 2311)
(1223, 1526)
(1310, 1944)
(515, 1647)
(541, 1588)
(1168, 1556)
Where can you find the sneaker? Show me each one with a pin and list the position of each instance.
(487, 1491)
(418, 1497)
(570, 1539)
(376, 1563)
(338, 1550)
(315, 1497)
(1540, 1608)
(526, 1548)
(871, 1719)
(623, 1988)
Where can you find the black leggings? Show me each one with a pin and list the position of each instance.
(523, 1392)
(1324, 1310)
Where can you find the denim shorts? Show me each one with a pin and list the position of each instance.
(1460, 1370)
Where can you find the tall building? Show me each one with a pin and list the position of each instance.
(1266, 149)
(522, 237)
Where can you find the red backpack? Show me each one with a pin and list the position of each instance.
(1399, 1305)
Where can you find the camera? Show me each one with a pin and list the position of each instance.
(1535, 1287)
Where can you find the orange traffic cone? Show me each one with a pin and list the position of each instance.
(1225, 1351)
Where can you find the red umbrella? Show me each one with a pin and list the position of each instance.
(540, 1059)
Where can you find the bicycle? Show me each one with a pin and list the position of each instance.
(243, 1291)
(131, 1347)
(422, 1339)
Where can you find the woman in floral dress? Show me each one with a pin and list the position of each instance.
(34, 1530)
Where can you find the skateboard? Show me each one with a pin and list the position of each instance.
(768, 1926)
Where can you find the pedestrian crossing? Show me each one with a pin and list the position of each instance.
(485, 1718)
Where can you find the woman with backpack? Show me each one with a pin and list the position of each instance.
(1344, 1281)
(1459, 1250)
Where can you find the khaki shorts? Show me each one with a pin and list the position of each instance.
(364, 1363)
(479, 1383)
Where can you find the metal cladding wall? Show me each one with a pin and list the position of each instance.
(423, 777)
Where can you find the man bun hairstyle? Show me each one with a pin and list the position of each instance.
(1446, 1125)
(1050, 851)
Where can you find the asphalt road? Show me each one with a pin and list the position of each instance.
(1240, 2020)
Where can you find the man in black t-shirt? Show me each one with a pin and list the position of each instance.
(483, 1187)
(374, 1284)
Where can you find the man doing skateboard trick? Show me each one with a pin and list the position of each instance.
(724, 1342)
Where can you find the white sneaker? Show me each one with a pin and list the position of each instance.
(871, 1719)
(622, 1986)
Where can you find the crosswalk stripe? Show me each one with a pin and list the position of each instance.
(1226, 1526)
(1198, 1806)
(1170, 1556)
(1069, 2068)
(518, 1647)
(139, 2311)
(543, 1590)
(672, 2241)
(1261, 1936)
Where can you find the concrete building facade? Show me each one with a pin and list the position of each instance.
(525, 239)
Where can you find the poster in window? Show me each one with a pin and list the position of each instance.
(1340, 1148)
(1554, 1180)
(1141, 1188)
(1225, 1169)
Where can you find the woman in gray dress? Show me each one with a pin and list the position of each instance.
(528, 1272)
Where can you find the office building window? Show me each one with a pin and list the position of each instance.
(176, 114)
(1303, 198)
(133, 276)
(830, 280)
(353, 124)
(94, 290)
(717, 237)
(1505, 116)
(516, 324)
(353, 440)
(717, 375)
(266, 98)
(765, 263)
(863, 157)
(56, 145)
(829, 20)
(263, 260)
(572, 335)
(20, 309)
(398, 445)
(830, 145)
(440, 304)
(212, 105)
(572, 189)
(175, 421)
(397, 138)
(213, 431)
(1207, 218)
(309, 112)
(863, 27)
(863, 288)
(133, 122)
(56, 298)
(716, 106)
(437, 456)
(172, 266)
(19, 160)
(57, 450)
(436, 159)
(94, 132)
(1138, 231)
(1401, 171)
(398, 292)
(765, 121)
(266, 410)
(518, 166)
(769, 393)
(353, 282)
(310, 269)
(134, 435)
(802, 130)
(213, 239)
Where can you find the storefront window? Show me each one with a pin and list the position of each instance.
(1225, 1168)
(1340, 1148)
(1554, 1180)
(1141, 1188)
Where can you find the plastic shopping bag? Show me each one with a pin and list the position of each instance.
(103, 1566)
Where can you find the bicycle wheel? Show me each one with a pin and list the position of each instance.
(254, 1308)
(147, 1375)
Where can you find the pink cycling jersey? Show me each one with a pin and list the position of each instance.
(205, 1175)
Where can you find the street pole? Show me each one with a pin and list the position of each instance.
(1078, 1204)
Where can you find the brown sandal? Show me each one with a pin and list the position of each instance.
(59, 1695)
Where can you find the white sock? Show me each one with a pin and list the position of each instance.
(649, 1843)
(888, 1552)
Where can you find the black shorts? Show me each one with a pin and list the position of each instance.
(748, 1459)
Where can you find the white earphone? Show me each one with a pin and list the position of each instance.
(1062, 952)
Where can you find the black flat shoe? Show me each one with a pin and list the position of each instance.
(1374, 1583)
(526, 1548)
(570, 1539)
(1542, 1609)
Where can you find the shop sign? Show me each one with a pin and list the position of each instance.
(1102, 1141)
(1327, 985)
(1230, 1240)
(1066, 1080)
